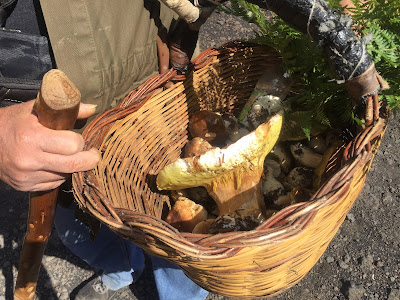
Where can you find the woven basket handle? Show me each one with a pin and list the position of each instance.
(346, 52)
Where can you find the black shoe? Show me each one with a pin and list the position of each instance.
(95, 290)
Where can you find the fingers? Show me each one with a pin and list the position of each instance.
(86, 110)
(62, 142)
(163, 55)
(52, 170)
(81, 161)
(46, 186)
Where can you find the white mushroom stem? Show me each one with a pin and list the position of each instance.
(274, 165)
(305, 156)
(272, 188)
(232, 176)
(285, 159)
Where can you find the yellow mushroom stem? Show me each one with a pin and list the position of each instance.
(239, 191)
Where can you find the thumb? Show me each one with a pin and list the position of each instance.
(86, 110)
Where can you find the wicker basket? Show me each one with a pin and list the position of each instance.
(148, 130)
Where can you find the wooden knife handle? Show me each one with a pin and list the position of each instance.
(57, 107)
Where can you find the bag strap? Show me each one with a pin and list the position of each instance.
(6, 7)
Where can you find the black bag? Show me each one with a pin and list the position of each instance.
(24, 59)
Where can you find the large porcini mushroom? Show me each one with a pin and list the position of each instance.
(232, 175)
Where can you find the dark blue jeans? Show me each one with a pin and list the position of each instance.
(121, 261)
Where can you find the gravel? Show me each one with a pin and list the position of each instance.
(361, 262)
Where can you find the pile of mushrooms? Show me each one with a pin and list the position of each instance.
(232, 178)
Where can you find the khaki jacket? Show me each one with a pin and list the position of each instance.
(106, 47)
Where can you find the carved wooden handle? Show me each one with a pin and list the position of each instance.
(57, 107)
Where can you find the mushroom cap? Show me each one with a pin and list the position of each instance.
(208, 125)
(247, 153)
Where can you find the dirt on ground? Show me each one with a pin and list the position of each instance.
(361, 262)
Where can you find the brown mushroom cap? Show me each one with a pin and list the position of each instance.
(185, 214)
(208, 125)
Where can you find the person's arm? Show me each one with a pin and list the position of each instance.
(35, 158)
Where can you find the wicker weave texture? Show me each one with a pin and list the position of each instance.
(148, 130)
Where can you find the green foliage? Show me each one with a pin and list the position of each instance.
(324, 99)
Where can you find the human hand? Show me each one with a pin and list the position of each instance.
(35, 158)
(163, 54)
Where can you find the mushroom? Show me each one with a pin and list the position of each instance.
(263, 107)
(283, 201)
(305, 156)
(203, 226)
(333, 137)
(272, 188)
(177, 194)
(235, 136)
(232, 175)
(282, 155)
(274, 165)
(300, 177)
(231, 123)
(209, 126)
(185, 214)
(317, 143)
(298, 195)
(266, 99)
(232, 222)
(196, 146)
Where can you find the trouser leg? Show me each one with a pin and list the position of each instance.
(121, 261)
(173, 284)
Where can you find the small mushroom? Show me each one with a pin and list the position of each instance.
(300, 177)
(203, 226)
(231, 124)
(274, 165)
(209, 126)
(196, 146)
(200, 195)
(235, 136)
(272, 188)
(232, 175)
(317, 143)
(177, 194)
(185, 214)
(282, 155)
(266, 99)
(263, 107)
(283, 201)
(299, 194)
(333, 137)
(304, 155)
(232, 222)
